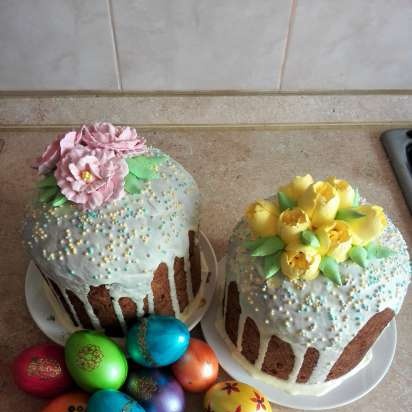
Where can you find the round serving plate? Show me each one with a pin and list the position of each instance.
(51, 324)
(350, 390)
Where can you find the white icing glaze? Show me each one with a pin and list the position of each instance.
(242, 321)
(121, 244)
(316, 313)
(287, 386)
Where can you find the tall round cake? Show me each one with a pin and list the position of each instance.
(313, 277)
(114, 229)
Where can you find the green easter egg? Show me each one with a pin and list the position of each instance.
(95, 361)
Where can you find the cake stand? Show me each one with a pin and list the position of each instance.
(57, 327)
(350, 390)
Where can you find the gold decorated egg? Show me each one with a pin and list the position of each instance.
(233, 396)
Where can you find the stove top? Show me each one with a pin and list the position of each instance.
(398, 146)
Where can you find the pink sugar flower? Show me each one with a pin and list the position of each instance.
(55, 150)
(123, 141)
(91, 177)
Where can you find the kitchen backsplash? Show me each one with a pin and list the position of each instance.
(288, 45)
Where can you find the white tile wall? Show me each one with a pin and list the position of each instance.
(200, 45)
(350, 44)
(205, 44)
(56, 44)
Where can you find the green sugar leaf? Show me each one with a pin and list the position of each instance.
(285, 202)
(308, 238)
(330, 269)
(348, 214)
(46, 194)
(270, 246)
(376, 251)
(132, 184)
(144, 167)
(59, 200)
(271, 265)
(253, 244)
(359, 255)
(48, 181)
(356, 199)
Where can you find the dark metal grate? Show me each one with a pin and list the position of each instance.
(398, 146)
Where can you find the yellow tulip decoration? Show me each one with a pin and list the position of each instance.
(312, 227)
(300, 262)
(262, 217)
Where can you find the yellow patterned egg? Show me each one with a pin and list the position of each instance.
(233, 396)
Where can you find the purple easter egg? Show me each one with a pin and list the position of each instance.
(156, 390)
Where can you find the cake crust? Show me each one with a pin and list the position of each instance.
(360, 344)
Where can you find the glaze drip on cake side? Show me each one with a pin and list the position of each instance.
(121, 244)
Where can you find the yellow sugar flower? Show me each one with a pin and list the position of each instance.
(335, 240)
(262, 217)
(368, 228)
(300, 262)
(321, 202)
(345, 191)
(291, 223)
(297, 186)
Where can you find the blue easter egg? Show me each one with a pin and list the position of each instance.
(156, 390)
(112, 401)
(157, 341)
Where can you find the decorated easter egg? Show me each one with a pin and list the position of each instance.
(156, 390)
(69, 402)
(198, 368)
(109, 400)
(41, 371)
(235, 396)
(95, 361)
(157, 340)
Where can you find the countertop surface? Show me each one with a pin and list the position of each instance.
(232, 167)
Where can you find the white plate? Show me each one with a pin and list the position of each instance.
(42, 312)
(348, 391)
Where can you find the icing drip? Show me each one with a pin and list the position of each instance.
(242, 321)
(119, 315)
(299, 353)
(263, 348)
(317, 313)
(288, 386)
(74, 313)
(188, 271)
(173, 293)
(150, 301)
(122, 244)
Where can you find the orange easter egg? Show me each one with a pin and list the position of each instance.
(69, 402)
(198, 368)
(235, 396)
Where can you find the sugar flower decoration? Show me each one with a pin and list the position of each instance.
(95, 165)
(312, 227)
(263, 217)
(55, 150)
(91, 177)
(123, 141)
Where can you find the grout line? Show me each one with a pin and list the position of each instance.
(115, 48)
(38, 94)
(287, 40)
(222, 126)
